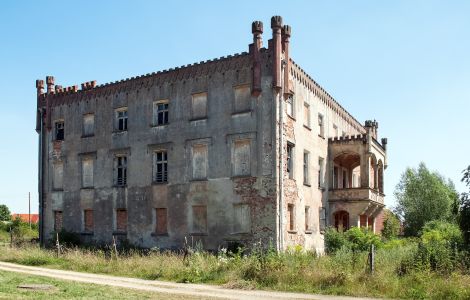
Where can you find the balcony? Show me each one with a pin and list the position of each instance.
(356, 194)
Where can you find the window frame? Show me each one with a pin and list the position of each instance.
(291, 212)
(321, 125)
(165, 112)
(290, 156)
(306, 165)
(57, 130)
(124, 118)
(84, 133)
(308, 118)
(164, 166)
(205, 115)
(124, 170)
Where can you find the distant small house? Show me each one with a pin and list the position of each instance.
(25, 217)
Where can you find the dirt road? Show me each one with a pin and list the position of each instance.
(170, 288)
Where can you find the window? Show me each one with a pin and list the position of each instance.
(290, 217)
(160, 112)
(242, 99)
(57, 180)
(322, 215)
(121, 220)
(121, 170)
(335, 177)
(306, 163)
(57, 220)
(320, 172)
(160, 163)
(59, 130)
(200, 219)
(88, 220)
(121, 119)
(321, 131)
(307, 115)
(290, 106)
(241, 158)
(87, 172)
(290, 160)
(242, 220)
(88, 125)
(308, 227)
(161, 227)
(199, 161)
(199, 106)
(335, 130)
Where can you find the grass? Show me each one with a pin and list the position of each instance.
(344, 273)
(9, 282)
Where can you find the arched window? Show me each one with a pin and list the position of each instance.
(341, 220)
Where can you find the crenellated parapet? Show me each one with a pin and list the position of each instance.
(347, 139)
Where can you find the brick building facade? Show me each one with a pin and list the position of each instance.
(237, 150)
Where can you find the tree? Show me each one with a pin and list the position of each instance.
(5, 214)
(391, 225)
(424, 196)
(464, 212)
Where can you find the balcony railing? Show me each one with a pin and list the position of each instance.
(349, 194)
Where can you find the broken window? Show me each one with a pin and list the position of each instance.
(306, 163)
(308, 227)
(321, 129)
(290, 106)
(121, 119)
(199, 106)
(290, 160)
(161, 221)
(160, 161)
(199, 161)
(121, 170)
(59, 130)
(320, 172)
(306, 114)
(57, 180)
(160, 112)
(88, 125)
(241, 158)
(57, 220)
(88, 220)
(121, 220)
(242, 222)
(87, 172)
(290, 217)
(199, 219)
(242, 99)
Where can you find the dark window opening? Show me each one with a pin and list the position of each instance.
(59, 131)
(121, 171)
(161, 166)
(122, 120)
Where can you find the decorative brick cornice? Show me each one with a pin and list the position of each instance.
(300, 75)
(89, 90)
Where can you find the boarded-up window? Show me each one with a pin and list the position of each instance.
(199, 106)
(241, 158)
(322, 215)
(161, 221)
(290, 217)
(242, 222)
(160, 166)
(199, 219)
(57, 220)
(306, 166)
(308, 226)
(242, 99)
(88, 125)
(88, 220)
(320, 172)
(87, 172)
(57, 180)
(363, 221)
(199, 161)
(121, 220)
(307, 115)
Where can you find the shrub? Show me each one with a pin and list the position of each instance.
(334, 240)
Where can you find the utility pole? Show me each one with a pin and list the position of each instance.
(29, 209)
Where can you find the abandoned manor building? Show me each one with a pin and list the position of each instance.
(228, 152)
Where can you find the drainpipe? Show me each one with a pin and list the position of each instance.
(281, 170)
(40, 175)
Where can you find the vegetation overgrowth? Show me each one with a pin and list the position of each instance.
(419, 268)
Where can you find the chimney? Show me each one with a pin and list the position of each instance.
(257, 30)
(40, 86)
(276, 25)
(50, 83)
(286, 30)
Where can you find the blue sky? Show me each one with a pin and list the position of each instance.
(404, 63)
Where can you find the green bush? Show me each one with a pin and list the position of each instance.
(355, 239)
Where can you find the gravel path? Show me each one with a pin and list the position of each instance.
(169, 288)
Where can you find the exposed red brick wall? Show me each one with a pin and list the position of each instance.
(57, 220)
(121, 220)
(379, 222)
(161, 224)
(88, 220)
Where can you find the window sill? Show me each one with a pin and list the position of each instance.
(159, 183)
(119, 232)
(120, 186)
(308, 231)
(198, 234)
(240, 113)
(292, 231)
(198, 180)
(159, 234)
(291, 117)
(88, 188)
(159, 125)
(57, 190)
(307, 184)
(321, 136)
(87, 136)
(307, 127)
(198, 119)
(86, 233)
(321, 188)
